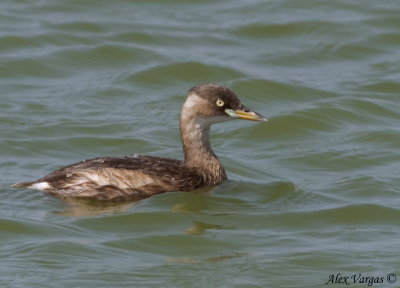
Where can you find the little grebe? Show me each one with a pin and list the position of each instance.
(136, 177)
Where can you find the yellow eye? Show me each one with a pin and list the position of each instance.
(219, 103)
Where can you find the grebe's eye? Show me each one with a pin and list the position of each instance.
(219, 103)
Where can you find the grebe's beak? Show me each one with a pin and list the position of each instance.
(245, 114)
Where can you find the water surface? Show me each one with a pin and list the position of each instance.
(312, 193)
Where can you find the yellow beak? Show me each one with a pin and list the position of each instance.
(245, 114)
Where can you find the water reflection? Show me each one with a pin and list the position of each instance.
(191, 203)
(192, 260)
(79, 208)
(200, 228)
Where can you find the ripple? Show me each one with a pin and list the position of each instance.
(175, 245)
(80, 27)
(30, 68)
(361, 214)
(369, 188)
(104, 56)
(385, 87)
(374, 109)
(12, 42)
(354, 51)
(283, 30)
(390, 39)
(384, 21)
(308, 122)
(188, 72)
(358, 215)
(279, 92)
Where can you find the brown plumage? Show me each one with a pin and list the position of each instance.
(136, 177)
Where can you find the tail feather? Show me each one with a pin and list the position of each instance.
(22, 185)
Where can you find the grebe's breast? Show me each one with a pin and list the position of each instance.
(120, 178)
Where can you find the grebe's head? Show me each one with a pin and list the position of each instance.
(212, 103)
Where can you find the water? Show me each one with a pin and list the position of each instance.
(312, 193)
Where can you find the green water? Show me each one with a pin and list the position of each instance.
(313, 192)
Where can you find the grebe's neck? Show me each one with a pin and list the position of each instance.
(198, 154)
